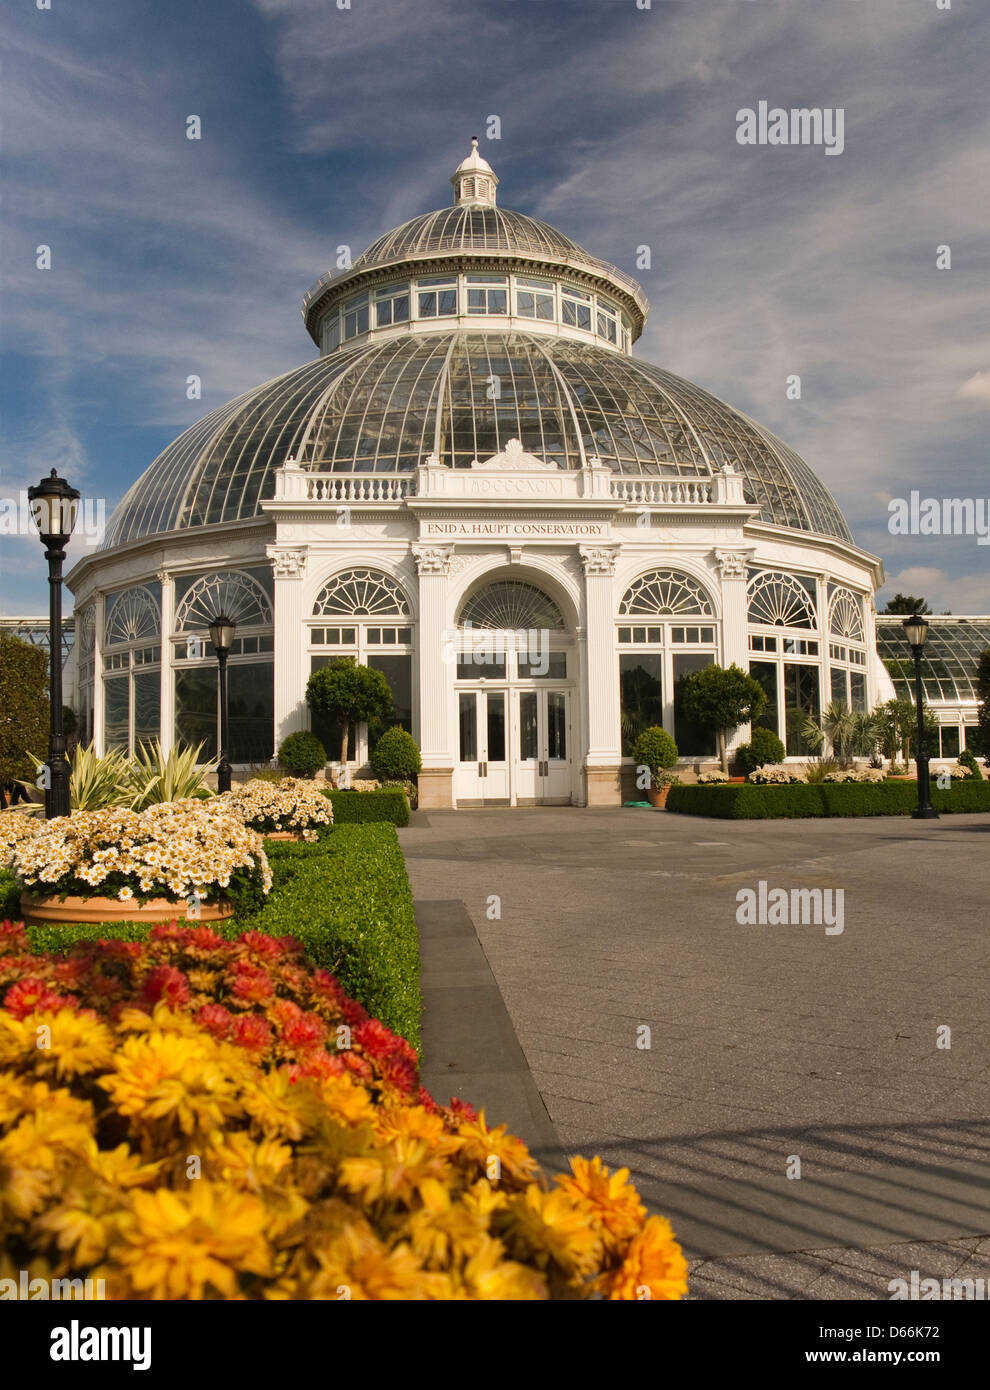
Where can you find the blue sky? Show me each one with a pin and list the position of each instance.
(324, 126)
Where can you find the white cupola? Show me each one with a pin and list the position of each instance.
(474, 179)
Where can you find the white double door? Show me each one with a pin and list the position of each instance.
(514, 746)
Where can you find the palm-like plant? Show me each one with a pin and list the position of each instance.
(95, 781)
(156, 776)
(850, 733)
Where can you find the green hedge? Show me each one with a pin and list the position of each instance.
(364, 808)
(747, 801)
(346, 898)
(10, 897)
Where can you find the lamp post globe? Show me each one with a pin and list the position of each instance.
(54, 504)
(222, 630)
(916, 631)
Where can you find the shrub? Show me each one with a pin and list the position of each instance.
(655, 750)
(291, 805)
(396, 756)
(721, 698)
(24, 702)
(763, 747)
(302, 754)
(364, 808)
(10, 895)
(173, 849)
(747, 801)
(345, 693)
(967, 759)
(323, 1162)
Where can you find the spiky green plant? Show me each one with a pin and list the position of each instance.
(156, 776)
(95, 781)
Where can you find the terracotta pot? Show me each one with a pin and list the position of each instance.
(37, 910)
(281, 834)
(658, 795)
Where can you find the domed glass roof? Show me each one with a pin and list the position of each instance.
(468, 227)
(384, 405)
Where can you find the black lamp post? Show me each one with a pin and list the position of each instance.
(222, 631)
(916, 628)
(54, 505)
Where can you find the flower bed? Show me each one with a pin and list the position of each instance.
(291, 805)
(172, 850)
(220, 1120)
(891, 798)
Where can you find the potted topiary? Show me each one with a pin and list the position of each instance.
(655, 754)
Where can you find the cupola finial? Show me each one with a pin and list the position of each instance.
(474, 179)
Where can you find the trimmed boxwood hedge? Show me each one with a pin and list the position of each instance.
(10, 896)
(748, 801)
(364, 808)
(346, 898)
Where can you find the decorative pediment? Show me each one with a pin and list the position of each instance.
(514, 459)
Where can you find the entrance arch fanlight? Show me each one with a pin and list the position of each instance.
(666, 594)
(780, 600)
(511, 605)
(361, 593)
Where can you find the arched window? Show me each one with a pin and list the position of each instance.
(666, 593)
(845, 615)
(780, 600)
(511, 605)
(231, 592)
(361, 593)
(131, 616)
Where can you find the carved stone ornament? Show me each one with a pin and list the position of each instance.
(514, 459)
(287, 563)
(432, 559)
(598, 560)
(732, 564)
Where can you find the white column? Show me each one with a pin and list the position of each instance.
(99, 607)
(435, 677)
(289, 567)
(732, 568)
(166, 722)
(603, 756)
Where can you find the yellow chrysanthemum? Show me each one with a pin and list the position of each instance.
(611, 1201)
(163, 1076)
(195, 1244)
(395, 1172)
(71, 1044)
(355, 1265)
(482, 1144)
(490, 1277)
(550, 1226)
(654, 1266)
(346, 1100)
(444, 1228)
(279, 1106)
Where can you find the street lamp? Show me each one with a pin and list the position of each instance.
(916, 629)
(54, 505)
(222, 631)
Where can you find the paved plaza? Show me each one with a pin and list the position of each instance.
(555, 938)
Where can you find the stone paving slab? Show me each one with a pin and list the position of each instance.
(765, 1041)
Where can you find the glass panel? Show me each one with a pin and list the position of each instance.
(116, 720)
(147, 706)
(397, 670)
(839, 694)
(473, 666)
(691, 740)
(496, 727)
(196, 710)
(552, 666)
(640, 695)
(801, 699)
(556, 725)
(766, 673)
(468, 717)
(528, 729)
(251, 705)
(949, 741)
(857, 687)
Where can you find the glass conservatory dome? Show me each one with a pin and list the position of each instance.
(408, 369)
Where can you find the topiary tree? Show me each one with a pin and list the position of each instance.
(720, 698)
(764, 747)
(345, 693)
(967, 758)
(302, 754)
(656, 750)
(395, 757)
(24, 713)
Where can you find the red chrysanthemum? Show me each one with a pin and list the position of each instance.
(252, 1032)
(250, 984)
(359, 1066)
(316, 1064)
(306, 1030)
(165, 984)
(462, 1112)
(426, 1101)
(216, 1020)
(325, 984)
(30, 995)
(377, 1040)
(353, 1012)
(399, 1072)
(202, 939)
(120, 950)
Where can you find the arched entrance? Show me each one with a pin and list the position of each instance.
(515, 690)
